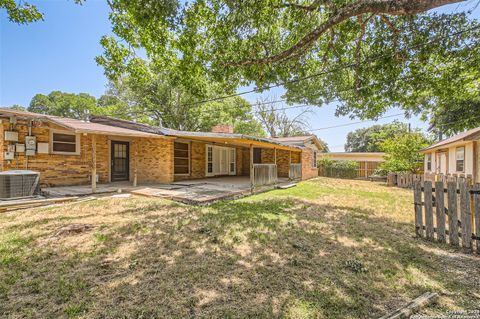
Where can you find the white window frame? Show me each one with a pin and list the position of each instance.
(212, 173)
(229, 159)
(428, 162)
(188, 158)
(77, 142)
(457, 159)
(232, 152)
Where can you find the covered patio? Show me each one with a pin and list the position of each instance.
(212, 155)
(199, 191)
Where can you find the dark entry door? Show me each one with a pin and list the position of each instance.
(257, 155)
(120, 161)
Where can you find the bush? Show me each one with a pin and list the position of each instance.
(338, 169)
(380, 172)
(402, 152)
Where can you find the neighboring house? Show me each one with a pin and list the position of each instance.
(311, 148)
(368, 162)
(68, 151)
(458, 155)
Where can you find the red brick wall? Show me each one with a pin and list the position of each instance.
(198, 164)
(57, 169)
(308, 171)
(155, 158)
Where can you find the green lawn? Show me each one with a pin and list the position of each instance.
(327, 248)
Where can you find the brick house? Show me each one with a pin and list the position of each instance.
(311, 147)
(69, 152)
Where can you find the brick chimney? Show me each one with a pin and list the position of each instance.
(222, 128)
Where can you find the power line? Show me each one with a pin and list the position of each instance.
(282, 108)
(353, 123)
(336, 69)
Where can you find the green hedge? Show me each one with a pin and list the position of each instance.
(338, 169)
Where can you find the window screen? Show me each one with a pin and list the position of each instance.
(64, 143)
(460, 159)
(181, 158)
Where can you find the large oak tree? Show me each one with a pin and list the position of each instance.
(370, 55)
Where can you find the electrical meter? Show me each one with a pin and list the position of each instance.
(30, 142)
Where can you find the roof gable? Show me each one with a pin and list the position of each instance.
(302, 140)
(467, 135)
(78, 126)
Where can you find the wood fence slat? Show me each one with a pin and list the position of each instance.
(440, 210)
(452, 213)
(465, 213)
(417, 199)
(476, 205)
(428, 209)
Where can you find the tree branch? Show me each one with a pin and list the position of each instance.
(358, 48)
(376, 7)
(394, 30)
(310, 8)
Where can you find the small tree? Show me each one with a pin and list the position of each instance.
(402, 152)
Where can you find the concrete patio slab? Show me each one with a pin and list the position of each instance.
(196, 192)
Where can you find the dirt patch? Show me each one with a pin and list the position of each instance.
(71, 229)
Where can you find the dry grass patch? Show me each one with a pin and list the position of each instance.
(324, 249)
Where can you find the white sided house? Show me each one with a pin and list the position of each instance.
(458, 155)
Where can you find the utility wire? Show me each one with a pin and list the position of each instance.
(353, 123)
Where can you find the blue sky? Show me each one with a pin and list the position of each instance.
(58, 54)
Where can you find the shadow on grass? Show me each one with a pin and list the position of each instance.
(262, 259)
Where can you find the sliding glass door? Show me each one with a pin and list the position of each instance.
(220, 160)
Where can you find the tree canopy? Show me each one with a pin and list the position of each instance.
(156, 104)
(370, 55)
(158, 99)
(369, 139)
(459, 114)
(276, 121)
(78, 106)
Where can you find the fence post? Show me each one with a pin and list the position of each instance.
(417, 199)
(452, 213)
(476, 206)
(440, 210)
(465, 213)
(428, 209)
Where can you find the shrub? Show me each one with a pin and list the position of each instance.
(339, 169)
(402, 152)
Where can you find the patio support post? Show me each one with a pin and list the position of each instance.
(251, 168)
(135, 162)
(275, 156)
(289, 163)
(94, 164)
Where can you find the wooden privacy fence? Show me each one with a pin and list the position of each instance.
(295, 171)
(456, 219)
(264, 174)
(404, 180)
(407, 180)
(367, 169)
